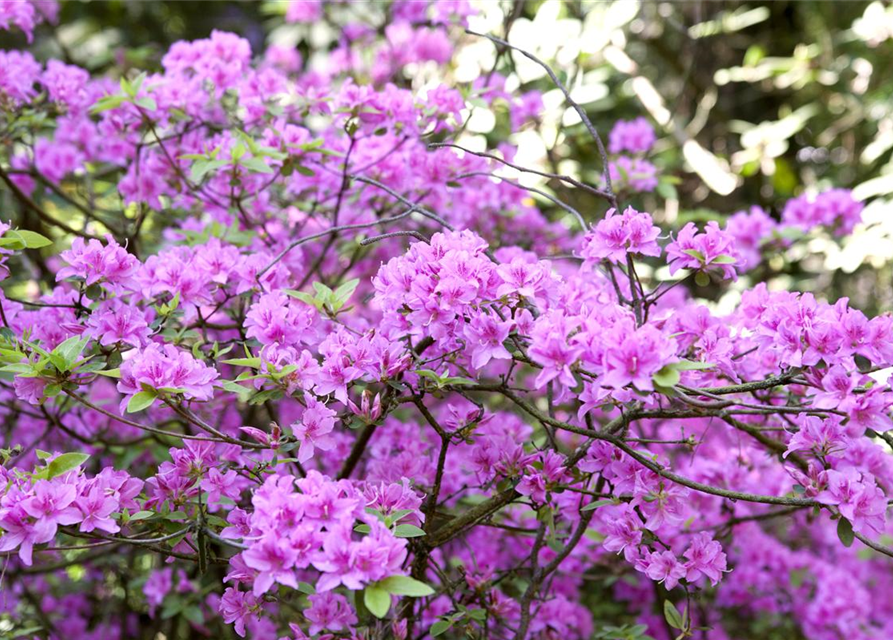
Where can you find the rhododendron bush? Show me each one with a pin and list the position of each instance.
(283, 357)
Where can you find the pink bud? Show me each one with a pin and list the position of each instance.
(257, 435)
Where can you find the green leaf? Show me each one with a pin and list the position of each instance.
(20, 368)
(377, 600)
(106, 103)
(69, 351)
(668, 376)
(845, 532)
(345, 291)
(694, 253)
(146, 103)
(597, 504)
(691, 365)
(306, 587)
(408, 531)
(305, 297)
(137, 83)
(362, 528)
(254, 363)
(141, 515)
(723, 259)
(171, 608)
(440, 627)
(256, 165)
(666, 190)
(702, 279)
(672, 615)
(33, 240)
(322, 291)
(194, 615)
(405, 586)
(17, 239)
(110, 373)
(140, 401)
(65, 463)
(202, 167)
(477, 614)
(400, 514)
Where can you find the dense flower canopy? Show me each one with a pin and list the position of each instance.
(271, 330)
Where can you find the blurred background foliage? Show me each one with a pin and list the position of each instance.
(754, 102)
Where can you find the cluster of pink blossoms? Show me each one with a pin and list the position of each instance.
(354, 381)
(32, 510)
(632, 173)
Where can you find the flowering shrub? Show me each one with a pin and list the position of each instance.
(281, 358)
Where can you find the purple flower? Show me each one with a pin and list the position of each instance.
(114, 322)
(822, 436)
(51, 504)
(96, 507)
(857, 497)
(228, 485)
(633, 356)
(18, 71)
(705, 557)
(661, 501)
(635, 174)
(237, 607)
(662, 566)
(484, 337)
(698, 251)
(276, 318)
(616, 237)
(550, 348)
(29, 389)
(524, 278)
(158, 585)
(167, 368)
(97, 263)
(835, 209)
(313, 430)
(633, 136)
(622, 530)
(751, 230)
(303, 11)
(273, 558)
(329, 611)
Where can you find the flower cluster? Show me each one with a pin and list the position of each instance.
(632, 172)
(32, 509)
(835, 209)
(309, 350)
(618, 236)
(307, 524)
(166, 369)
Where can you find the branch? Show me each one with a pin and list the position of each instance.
(609, 190)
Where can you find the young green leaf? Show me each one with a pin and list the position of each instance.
(845, 532)
(33, 240)
(140, 401)
(405, 586)
(440, 627)
(668, 376)
(65, 463)
(377, 600)
(408, 531)
(672, 615)
(597, 504)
